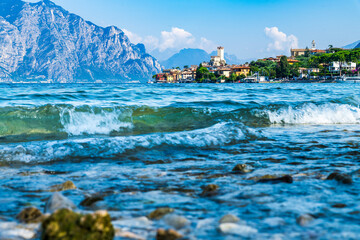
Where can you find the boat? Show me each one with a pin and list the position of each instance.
(353, 79)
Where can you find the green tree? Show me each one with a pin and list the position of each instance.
(201, 73)
(233, 77)
(283, 68)
(186, 66)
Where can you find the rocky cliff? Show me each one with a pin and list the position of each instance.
(43, 41)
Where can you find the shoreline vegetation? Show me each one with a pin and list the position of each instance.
(307, 68)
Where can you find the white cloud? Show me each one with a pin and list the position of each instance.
(280, 41)
(207, 45)
(176, 39)
(134, 38)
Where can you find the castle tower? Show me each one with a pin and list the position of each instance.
(220, 54)
(313, 45)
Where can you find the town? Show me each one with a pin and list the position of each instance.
(303, 65)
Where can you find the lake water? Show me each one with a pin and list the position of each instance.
(142, 147)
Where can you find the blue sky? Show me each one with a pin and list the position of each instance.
(246, 28)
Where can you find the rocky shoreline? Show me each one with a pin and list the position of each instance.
(62, 219)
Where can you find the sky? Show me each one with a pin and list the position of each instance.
(246, 28)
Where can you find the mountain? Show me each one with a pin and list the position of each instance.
(190, 56)
(43, 41)
(353, 45)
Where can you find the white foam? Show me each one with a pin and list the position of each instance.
(217, 135)
(329, 113)
(80, 123)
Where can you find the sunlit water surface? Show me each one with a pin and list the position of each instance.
(149, 146)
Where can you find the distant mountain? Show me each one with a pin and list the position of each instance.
(43, 41)
(353, 45)
(190, 56)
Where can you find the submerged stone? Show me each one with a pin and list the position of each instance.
(159, 213)
(90, 200)
(176, 221)
(163, 234)
(229, 218)
(236, 229)
(284, 179)
(304, 220)
(30, 215)
(210, 190)
(340, 177)
(58, 201)
(241, 169)
(66, 224)
(68, 185)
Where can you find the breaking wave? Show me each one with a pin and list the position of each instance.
(329, 113)
(217, 135)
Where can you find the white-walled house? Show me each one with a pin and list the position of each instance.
(335, 66)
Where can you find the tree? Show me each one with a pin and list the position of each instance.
(307, 52)
(186, 66)
(283, 68)
(201, 73)
(233, 77)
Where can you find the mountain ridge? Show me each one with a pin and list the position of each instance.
(195, 56)
(44, 41)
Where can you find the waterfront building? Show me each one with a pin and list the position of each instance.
(335, 66)
(241, 70)
(223, 71)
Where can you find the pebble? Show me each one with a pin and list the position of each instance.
(241, 169)
(160, 212)
(176, 221)
(236, 229)
(90, 200)
(304, 220)
(210, 190)
(58, 201)
(229, 218)
(340, 177)
(30, 215)
(68, 185)
(163, 234)
(284, 179)
(66, 224)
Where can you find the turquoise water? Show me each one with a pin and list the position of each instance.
(147, 146)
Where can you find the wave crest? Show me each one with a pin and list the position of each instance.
(329, 113)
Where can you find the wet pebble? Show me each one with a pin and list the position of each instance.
(176, 221)
(160, 212)
(66, 224)
(90, 200)
(304, 220)
(241, 169)
(229, 218)
(210, 190)
(30, 215)
(340, 177)
(236, 229)
(58, 201)
(163, 234)
(284, 179)
(68, 185)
